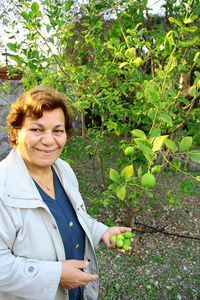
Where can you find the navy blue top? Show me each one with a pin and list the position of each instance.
(73, 236)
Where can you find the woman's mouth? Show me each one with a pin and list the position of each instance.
(46, 151)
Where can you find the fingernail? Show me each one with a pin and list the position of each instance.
(86, 263)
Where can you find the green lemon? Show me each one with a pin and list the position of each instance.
(113, 237)
(119, 243)
(128, 235)
(127, 242)
(129, 151)
(125, 247)
(155, 169)
(148, 181)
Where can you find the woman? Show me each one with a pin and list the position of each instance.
(47, 239)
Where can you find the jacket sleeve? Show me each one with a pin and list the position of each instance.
(22, 277)
(97, 229)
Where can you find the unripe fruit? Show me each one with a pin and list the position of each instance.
(129, 151)
(120, 236)
(127, 242)
(119, 243)
(125, 247)
(128, 235)
(155, 169)
(113, 237)
(148, 181)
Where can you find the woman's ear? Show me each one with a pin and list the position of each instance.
(18, 136)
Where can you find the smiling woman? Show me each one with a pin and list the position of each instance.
(47, 239)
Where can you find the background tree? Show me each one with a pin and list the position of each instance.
(130, 70)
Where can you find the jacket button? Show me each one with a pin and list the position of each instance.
(71, 224)
(82, 206)
(31, 269)
(64, 292)
(77, 246)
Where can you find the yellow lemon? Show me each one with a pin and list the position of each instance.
(120, 236)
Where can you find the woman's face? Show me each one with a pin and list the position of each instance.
(41, 141)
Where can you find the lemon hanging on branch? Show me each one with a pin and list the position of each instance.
(148, 181)
(129, 151)
(156, 169)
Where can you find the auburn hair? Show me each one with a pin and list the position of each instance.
(32, 104)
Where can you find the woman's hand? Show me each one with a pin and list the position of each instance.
(72, 276)
(111, 231)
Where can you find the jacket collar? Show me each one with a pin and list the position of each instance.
(19, 185)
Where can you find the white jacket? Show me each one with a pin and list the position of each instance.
(31, 248)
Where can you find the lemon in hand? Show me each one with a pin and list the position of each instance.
(119, 243)
(120, 236)
(113, 237)
(125, 247)
(128, 235)
(127, 242)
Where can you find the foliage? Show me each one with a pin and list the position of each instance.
(127, 69)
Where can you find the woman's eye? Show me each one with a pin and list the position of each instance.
(59, 131)
(35, 130)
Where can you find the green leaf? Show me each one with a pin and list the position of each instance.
(187, 21)
(147, 152)
(140, 172)
(149, 194)
(166, 118)
(111, 125)
(114, 176)
(68, 5)
(195, 156)
(104, 84)
(167, 45)
(123, 64)
(172, 20)
(158, 142)
(151, 113)
(198, 178)
(152, 96)
(138, 133)
(51, 39)
(188, 43)
(196, 56)
(193, 91)
(170, 144)
(32, 66)
(155, 133)
(12, 47)
(177, 165)
(82, 104)
(185, 143)
(191, 29)
(35, 7)
(127, 173)
(121, 192)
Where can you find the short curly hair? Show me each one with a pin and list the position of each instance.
(32, 104)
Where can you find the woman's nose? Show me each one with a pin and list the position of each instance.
(48, 138)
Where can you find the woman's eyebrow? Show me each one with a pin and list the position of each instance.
(41, 125)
